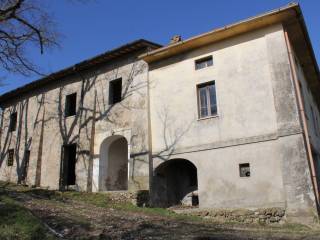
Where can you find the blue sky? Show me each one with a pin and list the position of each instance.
(91, 28)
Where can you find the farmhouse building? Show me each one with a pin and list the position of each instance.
(226, 119)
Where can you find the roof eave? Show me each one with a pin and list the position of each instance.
(250, 24)
(83, 65)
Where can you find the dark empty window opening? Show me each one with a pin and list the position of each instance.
(203, 62)
(207, 100)
(115, 91)
(69, 164)
(71, 105)
(10, 157)
(13, 122)
(244, 170)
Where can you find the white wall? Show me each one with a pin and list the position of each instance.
(244, 94)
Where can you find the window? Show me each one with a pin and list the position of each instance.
(13, 122)
(207, 101)
(10, 157)
(115, 91)
(71, 105)
(244, 169)
(203, 62)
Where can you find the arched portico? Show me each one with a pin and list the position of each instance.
(113, 164)
(175, 182)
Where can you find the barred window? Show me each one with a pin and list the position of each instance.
(10, 157)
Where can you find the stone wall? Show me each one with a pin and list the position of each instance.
(43, 129)
(262, 215)
(137, 198)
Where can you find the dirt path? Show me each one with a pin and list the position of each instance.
(77, 220)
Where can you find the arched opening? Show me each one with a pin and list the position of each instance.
(113, 164)
(175, 182)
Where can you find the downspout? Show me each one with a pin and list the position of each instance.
(149, 138)
(302, 115)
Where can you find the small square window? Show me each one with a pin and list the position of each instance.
(203, 62)
(10, 157)
(13, 122)
(71, 105)
(244, 169)
(115, 91)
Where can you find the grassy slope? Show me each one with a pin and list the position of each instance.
(16, 222)
(99, 200)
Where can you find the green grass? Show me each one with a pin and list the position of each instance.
(17, 222)
(97, 199)
(103, 200)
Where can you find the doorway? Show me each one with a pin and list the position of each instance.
(69, 165)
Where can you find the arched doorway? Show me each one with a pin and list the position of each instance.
(113, 164)
(175, 182)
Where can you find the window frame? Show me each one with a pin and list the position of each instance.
(111, 96)
(9, 160)
(198, 86)
(68, 113)
(202, 60)
(13, 127)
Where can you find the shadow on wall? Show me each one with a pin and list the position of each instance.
(20, 140)
(171, 133)
(92, 107)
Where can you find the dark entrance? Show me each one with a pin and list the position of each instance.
(68, 173)
(175, 182)
(25, 166)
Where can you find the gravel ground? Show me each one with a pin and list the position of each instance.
(71, 219)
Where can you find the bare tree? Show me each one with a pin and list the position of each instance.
(23, 23)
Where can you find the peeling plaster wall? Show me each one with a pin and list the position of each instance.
(257, 123)
(43, 129)
(313, 120)
(312, 116)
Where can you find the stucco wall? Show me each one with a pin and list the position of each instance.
(244, 95)
(257, 123)
(313, 120)
(43, 129)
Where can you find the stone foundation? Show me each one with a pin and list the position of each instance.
(264, 216)
(138, 198)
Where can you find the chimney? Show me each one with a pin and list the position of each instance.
(175, 39)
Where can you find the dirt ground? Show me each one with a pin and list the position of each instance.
(75, 219)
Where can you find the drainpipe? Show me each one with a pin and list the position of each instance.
(149, 138)
(303, 120)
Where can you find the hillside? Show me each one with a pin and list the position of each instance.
(27, 213)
